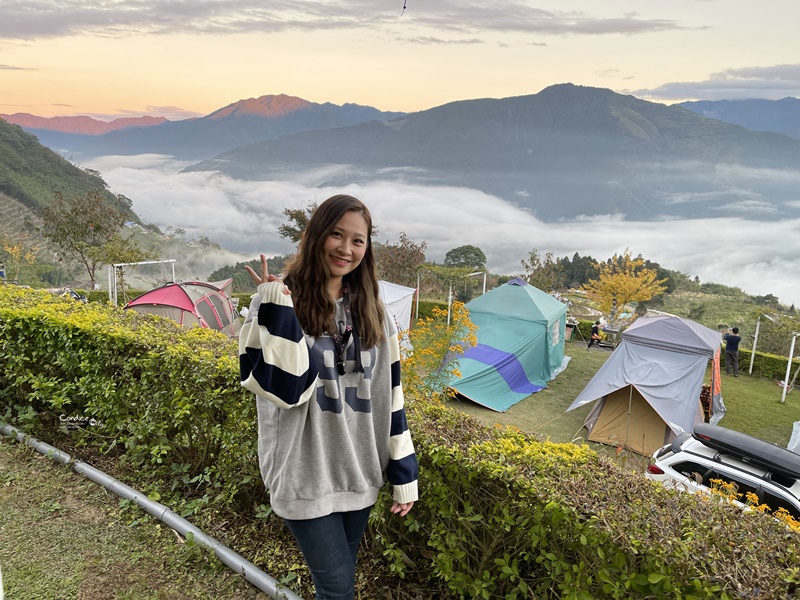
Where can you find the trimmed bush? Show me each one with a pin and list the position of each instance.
(502, 514)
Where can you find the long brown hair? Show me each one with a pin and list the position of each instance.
(307, 276)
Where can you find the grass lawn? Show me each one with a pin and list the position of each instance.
(753, 404)
(63, 537)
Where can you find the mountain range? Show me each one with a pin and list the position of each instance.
(80, 124)
(240, 123)
(564, 152)
(567, 151)
(779, 116)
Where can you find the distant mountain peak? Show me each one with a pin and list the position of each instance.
(780, 116)
(269, 106)
(80, 124)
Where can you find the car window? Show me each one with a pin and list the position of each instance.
(704, 474)
(742, 485)
(692, 470)
(775, 502)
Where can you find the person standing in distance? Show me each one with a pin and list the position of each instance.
(321, 354)
(595, 337)
(732, 339)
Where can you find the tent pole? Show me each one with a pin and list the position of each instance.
(628, 422)
(416, 316)
(755, 343)
(788, 368)
(450, 303)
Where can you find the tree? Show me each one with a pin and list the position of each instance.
(19, 253)
(450, 277)
(547, 274)
(121, 250)
(298, 221)
(621, 280)
(81, 226)
(400, 263)
(465, 256)
(579, 270)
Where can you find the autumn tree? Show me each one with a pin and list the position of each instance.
(19, 253)
(400, 262)
(621, 280)
(81, 226)
(545, 274)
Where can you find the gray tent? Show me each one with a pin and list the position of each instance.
(648, 390)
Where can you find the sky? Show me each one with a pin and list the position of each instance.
(180, 59)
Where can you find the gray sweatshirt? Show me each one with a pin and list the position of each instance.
(325, 440)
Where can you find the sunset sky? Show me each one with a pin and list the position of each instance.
(180, 59)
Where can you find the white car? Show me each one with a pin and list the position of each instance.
(691, 461)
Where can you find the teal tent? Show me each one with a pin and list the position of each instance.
(520, 345)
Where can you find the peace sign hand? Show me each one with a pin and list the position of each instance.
(265, 276)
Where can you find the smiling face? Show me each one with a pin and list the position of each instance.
(344, 248)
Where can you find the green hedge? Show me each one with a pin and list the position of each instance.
(426, 308)
(502, 515)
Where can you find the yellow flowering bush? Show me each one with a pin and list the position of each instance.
(436, 347)
(728, 491)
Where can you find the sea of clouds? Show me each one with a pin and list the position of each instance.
(243, 216)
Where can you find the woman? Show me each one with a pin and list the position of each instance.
(322, 356)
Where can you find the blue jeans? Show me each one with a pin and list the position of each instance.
(330, 547)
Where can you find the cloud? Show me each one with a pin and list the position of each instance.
(432, 41)
(32, 19)
(243, 216)
(171, 113)
(13, 68)
(770, 83)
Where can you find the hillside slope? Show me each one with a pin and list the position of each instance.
(32, 174)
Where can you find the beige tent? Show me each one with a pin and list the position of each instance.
(626, 418)
(648, 391)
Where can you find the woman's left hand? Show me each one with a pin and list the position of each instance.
(401, 509)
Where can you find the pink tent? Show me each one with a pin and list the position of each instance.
(191, 304)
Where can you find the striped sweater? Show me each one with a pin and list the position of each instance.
(325, 441)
